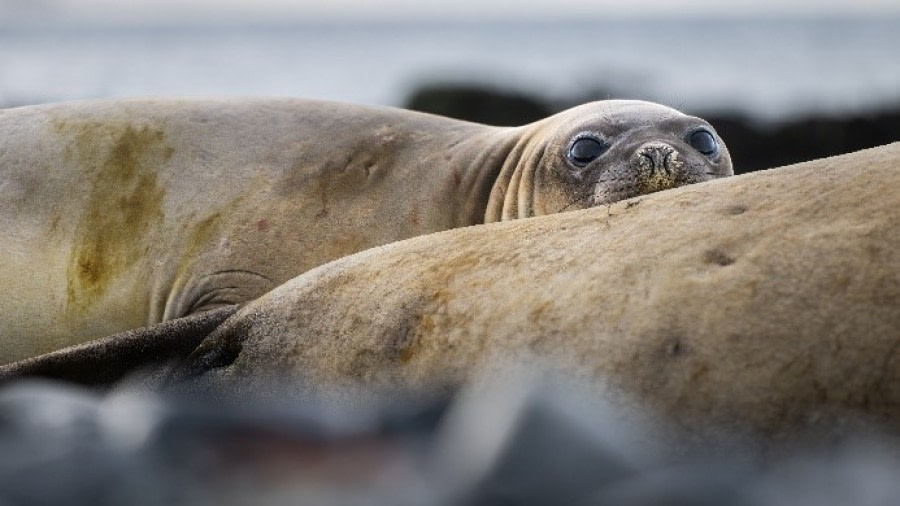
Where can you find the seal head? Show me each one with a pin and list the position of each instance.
(603, 152)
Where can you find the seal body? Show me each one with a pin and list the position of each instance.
(767, 301)
(118, 214)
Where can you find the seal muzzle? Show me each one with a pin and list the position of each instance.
(659, 166)
(654, 157)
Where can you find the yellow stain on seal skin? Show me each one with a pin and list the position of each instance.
(124, 202)
(203, 233)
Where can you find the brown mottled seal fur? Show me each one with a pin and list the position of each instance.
(767, 301)
(119, 214)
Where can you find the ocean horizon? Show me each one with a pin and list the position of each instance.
(762, 68)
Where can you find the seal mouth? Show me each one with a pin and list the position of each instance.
(605, 194)
(654, 167)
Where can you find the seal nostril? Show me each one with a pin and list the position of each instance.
(658, 157)
(667, 163)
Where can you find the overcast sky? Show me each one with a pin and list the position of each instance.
(440, 9)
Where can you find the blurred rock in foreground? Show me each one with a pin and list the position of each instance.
(531, 443)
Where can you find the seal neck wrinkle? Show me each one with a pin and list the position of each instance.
(505, 202)
(486, 157)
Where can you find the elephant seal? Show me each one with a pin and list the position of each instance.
(764, 302)
(761, 302)
(122, 213)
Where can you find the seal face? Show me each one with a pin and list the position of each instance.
(602, 152)
(639, 149)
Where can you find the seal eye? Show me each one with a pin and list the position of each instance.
(704, 142)
(585, 150)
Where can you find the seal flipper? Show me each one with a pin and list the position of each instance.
(219, 349)
(104, 362)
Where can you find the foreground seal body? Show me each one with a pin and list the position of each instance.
(771, 302)
(118, 214)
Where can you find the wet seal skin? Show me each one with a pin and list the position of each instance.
(124, 213)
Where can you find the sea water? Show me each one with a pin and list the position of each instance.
(767, 68)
